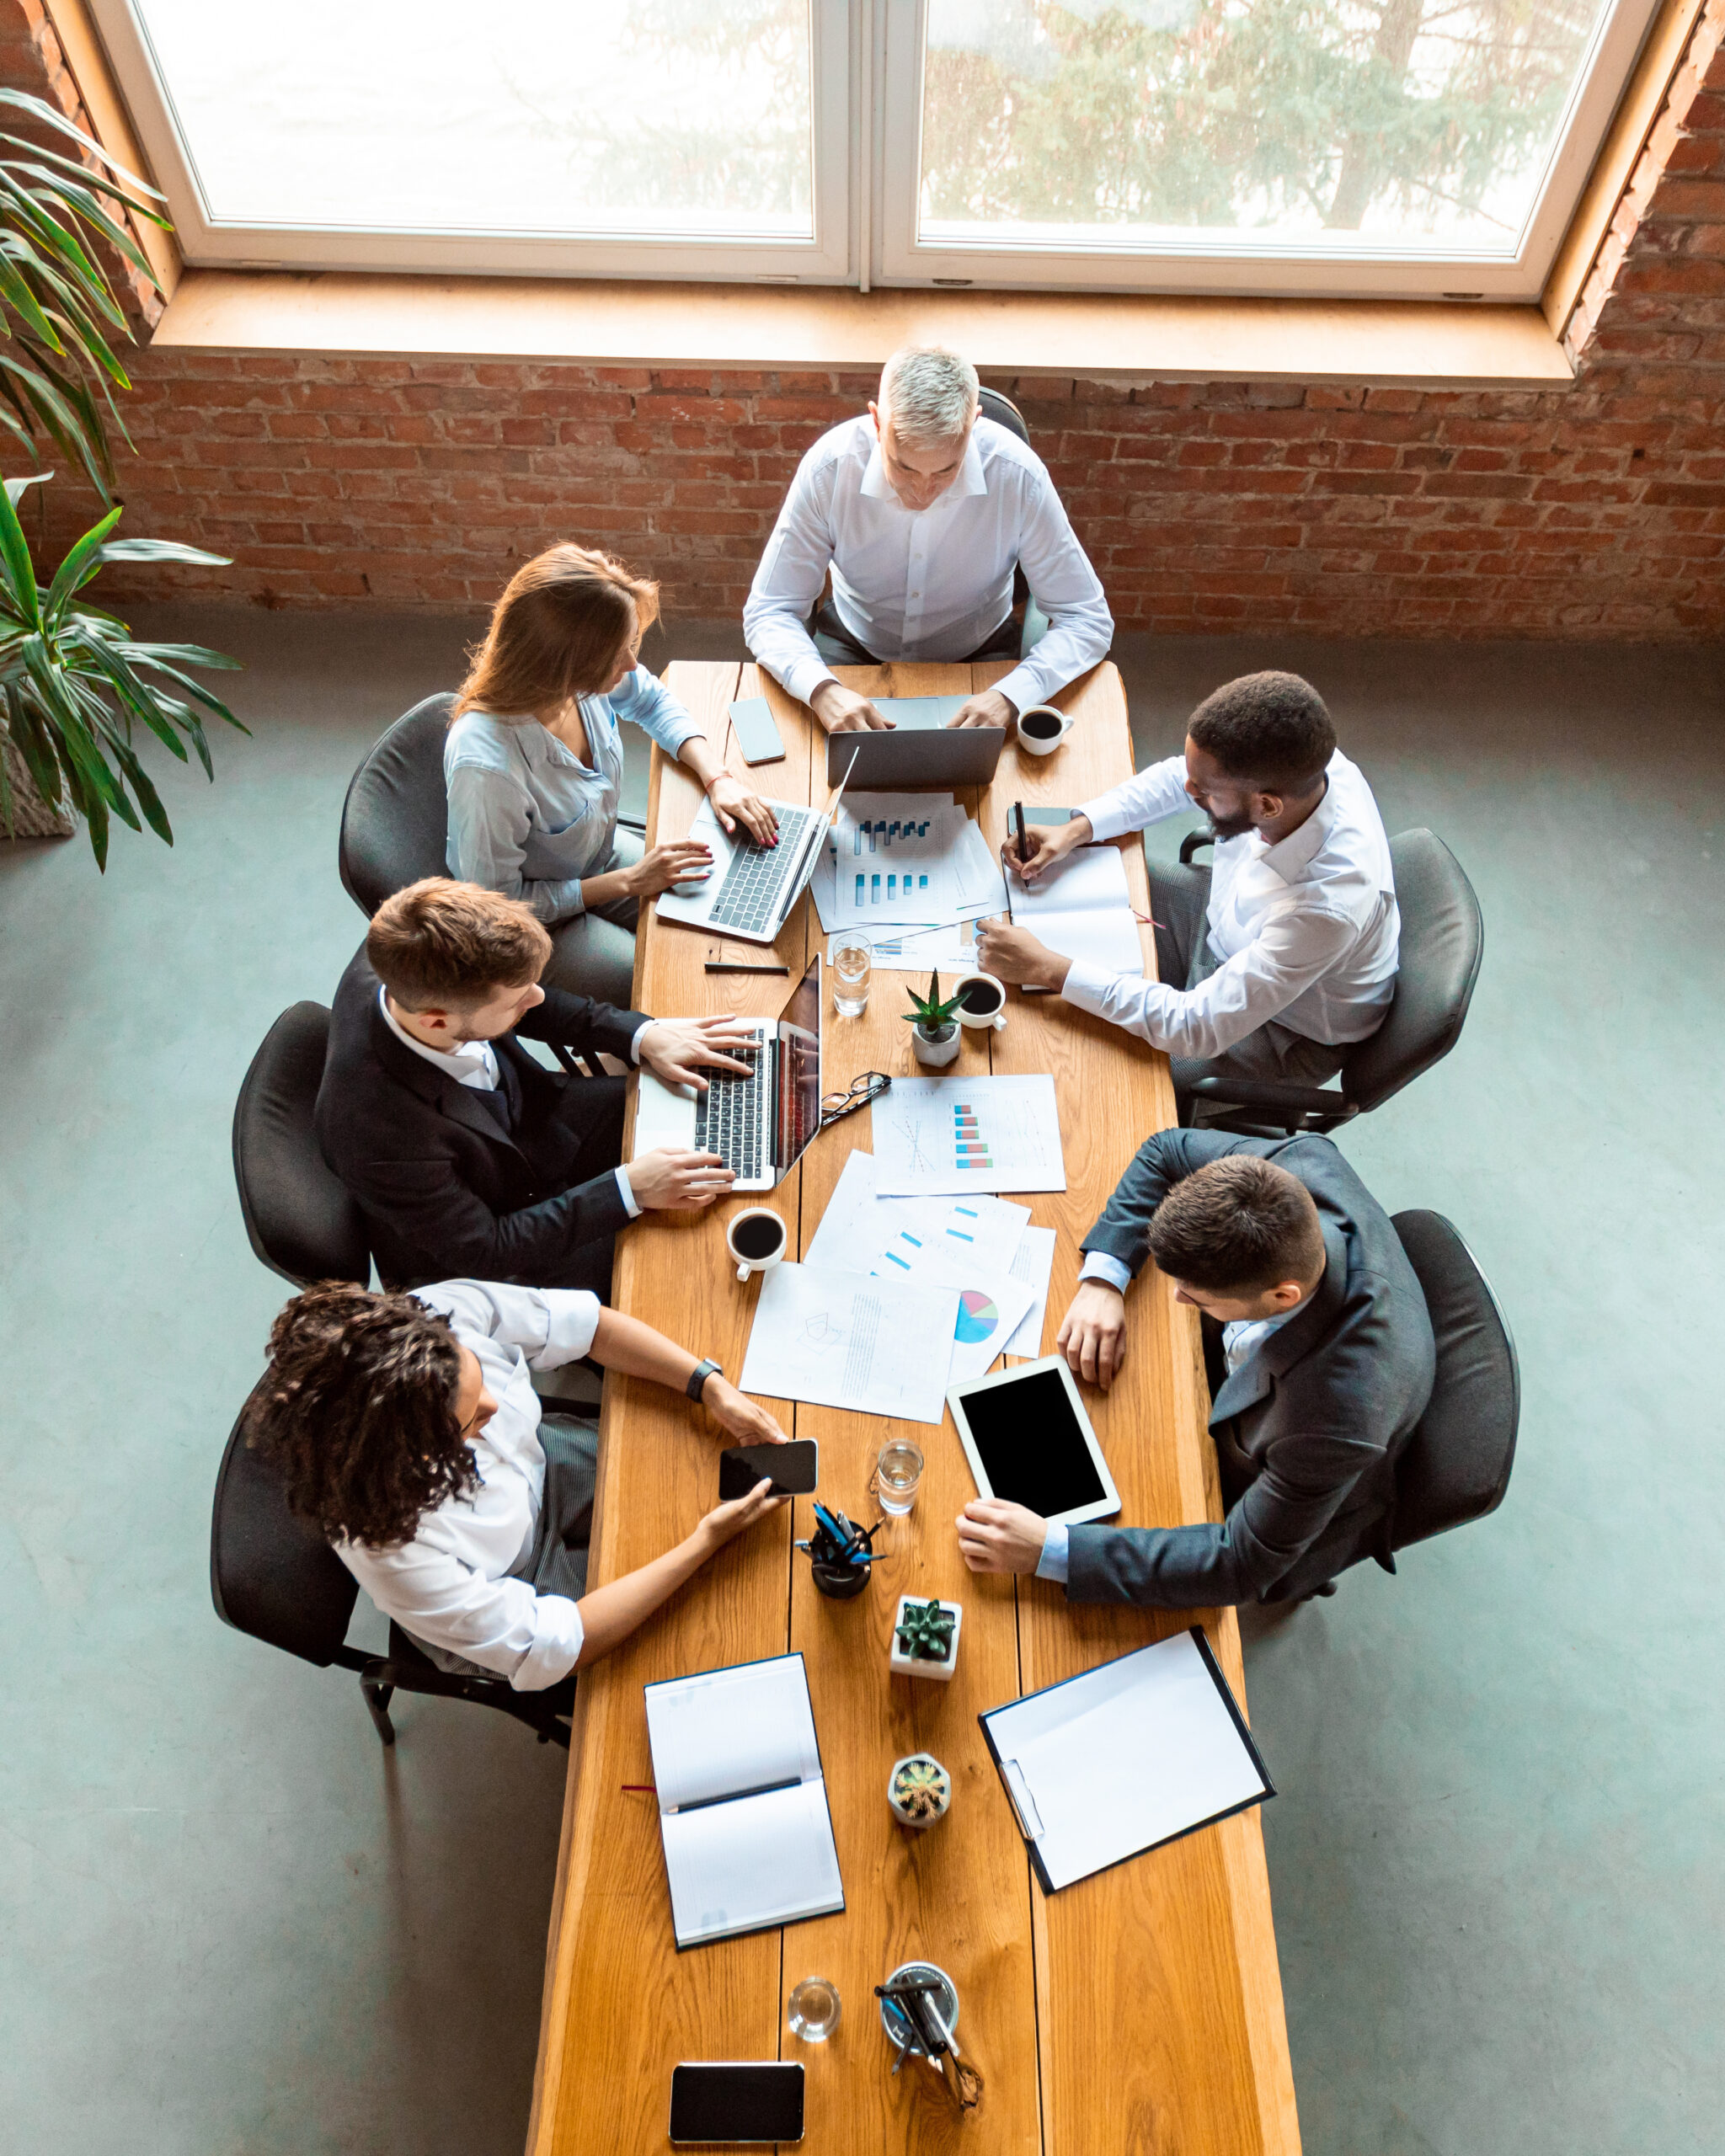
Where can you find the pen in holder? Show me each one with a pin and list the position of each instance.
(919, 2010)
(840, 1553)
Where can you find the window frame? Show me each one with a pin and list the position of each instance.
(866, 63)
(210, 243)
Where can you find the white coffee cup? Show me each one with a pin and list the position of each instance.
(1056, 725)
(994, 1020)
(748, 1244)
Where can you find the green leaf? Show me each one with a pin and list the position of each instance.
(170, 550)
(48, 116)
(15, 488)
(80, 564)
(18, 577)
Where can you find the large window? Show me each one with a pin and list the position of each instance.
(1346, 145)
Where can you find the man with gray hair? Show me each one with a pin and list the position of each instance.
(922, 511)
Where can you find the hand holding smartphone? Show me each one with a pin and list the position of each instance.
(791, 1469)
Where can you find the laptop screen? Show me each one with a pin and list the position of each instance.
(796, 1111)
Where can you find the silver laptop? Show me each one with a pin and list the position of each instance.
(751, 889)
(922, 749)
(758, 1125)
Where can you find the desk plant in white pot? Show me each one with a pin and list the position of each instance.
(934, 1028)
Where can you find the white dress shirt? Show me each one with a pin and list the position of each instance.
(1241, 1338)
(929, 584)
(1306, 929)
(448, 1585)
(474, 1063)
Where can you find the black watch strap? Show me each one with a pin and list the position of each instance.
(697, 1381)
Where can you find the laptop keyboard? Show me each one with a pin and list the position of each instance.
(730, 1117)
(747, 898)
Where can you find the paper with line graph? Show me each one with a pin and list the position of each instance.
(933, 1135)
(846, 1340)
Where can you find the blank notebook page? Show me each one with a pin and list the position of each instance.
(729, 1730)
(1128, 1755)
(767, 1860)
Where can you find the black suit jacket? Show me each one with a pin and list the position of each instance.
(1308, 1430)
(446, 1194)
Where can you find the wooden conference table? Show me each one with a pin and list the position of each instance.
(1137, 2014)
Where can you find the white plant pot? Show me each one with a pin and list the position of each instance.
(904, 1665)
(918, 1826)
(935, 1055)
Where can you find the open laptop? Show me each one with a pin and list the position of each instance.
(752, 888)
(757, 1125)
(922, 750)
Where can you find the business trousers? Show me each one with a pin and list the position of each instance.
(839, 647)
(555, 1560)
(1179, 900)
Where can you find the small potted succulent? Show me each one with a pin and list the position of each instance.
(934, 1029)
(919, 1790)
(925, 1638)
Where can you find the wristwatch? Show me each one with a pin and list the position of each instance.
(697, 1381)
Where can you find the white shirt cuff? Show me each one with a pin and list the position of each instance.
(1108, 818)
(805, 676)
(1052, 1564)
(1088, 987)
(1103, 1265)
(556, 1647)
(571, 1323)
(635, 1044)
(626, 1190)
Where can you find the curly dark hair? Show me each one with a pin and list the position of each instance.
(1269, 730)
(357, 1412)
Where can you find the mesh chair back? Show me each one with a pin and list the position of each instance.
(1004, 413)
(301, 1222)
(271, 1574)
(395, 820)
(1456, 1465)
(1443, 939)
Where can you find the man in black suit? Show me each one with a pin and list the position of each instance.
(1321, 1357)
(468, 1158)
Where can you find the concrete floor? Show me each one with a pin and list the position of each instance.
(234, 1924)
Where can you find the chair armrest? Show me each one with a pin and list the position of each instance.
(1271, 1093)
(1192, 841)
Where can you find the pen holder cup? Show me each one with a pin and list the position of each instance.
(1042, 728)
(943, 1993)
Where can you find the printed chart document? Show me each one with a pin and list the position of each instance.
(1125, 1758)
(849, 1340)
(1033, 1263)
(1083, 909)
(966, 1243)
(916, 872)
(938, 1135)
(742, 1804)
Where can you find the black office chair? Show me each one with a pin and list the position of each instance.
(1442, 943)
(274, 1577)
(394, 831)
(993, 404)
(1456, 1465)
(299, 1217)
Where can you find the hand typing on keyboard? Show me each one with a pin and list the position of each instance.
(669, 1180)
(672, 1048)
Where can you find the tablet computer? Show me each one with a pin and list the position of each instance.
(1028, 1440)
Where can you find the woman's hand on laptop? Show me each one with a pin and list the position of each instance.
(687, 861)
(737, 1416)
(672, 1048)
(669, 1180)
(842, 711)
(735, 803)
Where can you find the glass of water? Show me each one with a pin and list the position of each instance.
(850, 956)
(897, 1474)
(813, 2010)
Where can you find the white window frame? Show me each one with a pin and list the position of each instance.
(867, 61)
(210, 243)
(1215, 263)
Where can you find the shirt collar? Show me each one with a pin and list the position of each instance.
(1290, 856)
(971, 479)
(468, 1060)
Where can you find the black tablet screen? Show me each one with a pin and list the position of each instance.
(1031, 1445)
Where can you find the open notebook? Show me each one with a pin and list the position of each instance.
(1082, 909)
(742, 1805)
(1125, 1757)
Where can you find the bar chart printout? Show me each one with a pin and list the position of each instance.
(942, 1135)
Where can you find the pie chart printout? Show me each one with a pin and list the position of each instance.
(978, 1315)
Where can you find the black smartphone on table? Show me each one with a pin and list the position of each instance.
(715, 2101)
(792, 1468)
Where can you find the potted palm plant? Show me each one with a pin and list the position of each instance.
(75, 684)
(934, 1029)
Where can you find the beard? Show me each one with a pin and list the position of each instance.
(1230, 827)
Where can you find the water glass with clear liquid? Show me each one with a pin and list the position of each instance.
(813, 2010)
(849, 958)
(897, 1474)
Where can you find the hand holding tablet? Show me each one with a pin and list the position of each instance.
(1029, 1443)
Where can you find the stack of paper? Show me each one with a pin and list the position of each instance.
(914, 871)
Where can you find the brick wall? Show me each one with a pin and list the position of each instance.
(1600, 510)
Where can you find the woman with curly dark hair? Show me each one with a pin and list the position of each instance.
(406, 1428)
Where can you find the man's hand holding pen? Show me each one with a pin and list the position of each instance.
(1045, 845)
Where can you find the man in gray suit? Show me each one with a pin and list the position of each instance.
(1321, 1357)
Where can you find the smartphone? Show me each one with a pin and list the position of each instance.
(757, 731)
(723, 2102)
(793, 1469)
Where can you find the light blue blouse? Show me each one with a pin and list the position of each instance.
(526, 816)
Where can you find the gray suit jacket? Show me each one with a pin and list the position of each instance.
(1308, 1430)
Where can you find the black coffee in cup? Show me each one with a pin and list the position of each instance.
(1039, 725)
(981, 998)
(758, 1236)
